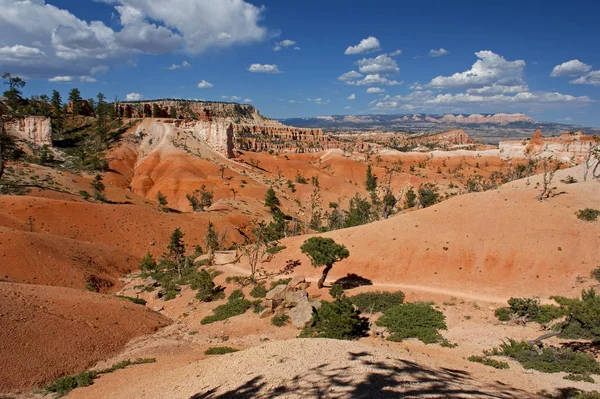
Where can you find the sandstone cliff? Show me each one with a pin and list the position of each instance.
(37, 129)
(567, 146)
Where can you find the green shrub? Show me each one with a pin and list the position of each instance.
(336, 320)
(235, 306)
(280, 320)
(377, 301)
(207, 289)
(580, 377)
(414, 320)
(585, 316)
(64, 385)
(220, 350)
(596, 273)
(488, 362)
(530, 309)
(257, 306)
(588, 214)
(275, 249)
(148, 263)
(548, 359)
(137, 301)
(259, 291)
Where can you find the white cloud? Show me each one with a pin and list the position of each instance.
(438, 53)
(592, 78)
(42, 40)
(72, 79)
(205, 85)
(284, 43)
(318, 101)
(247, 100)
(184, 64)
(416, 86)
(349, 76)
(99, 69)
(352, 97)
(395, 53)
(348, 107)
(381, 64)
(292, 101)
(374, 90)
(231, 98)
(134, 97)
(374, 80)
(297, 48)
(570, 68)
(263, 68)
(498, 89)
(490, 69)
(367, 45)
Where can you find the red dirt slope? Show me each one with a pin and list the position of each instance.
(49, 332)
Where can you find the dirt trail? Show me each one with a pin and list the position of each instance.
(221, 260)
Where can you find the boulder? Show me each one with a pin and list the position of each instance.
(316, 304)
(277, 293)
(302, 315)
(303, 286)
(294, 298)
(265, 313)
(297, 280)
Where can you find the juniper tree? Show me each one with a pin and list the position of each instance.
(98, 188)
(324, 252)
(176, 250)
(371, 181)
(271, 200)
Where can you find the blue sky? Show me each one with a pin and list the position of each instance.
(333, 57)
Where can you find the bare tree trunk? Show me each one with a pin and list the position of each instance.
(321, 282)
(553, 333)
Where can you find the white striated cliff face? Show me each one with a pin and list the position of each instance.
(37, 129)
(218, 134)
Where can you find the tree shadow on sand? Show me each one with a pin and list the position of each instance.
(372, 380)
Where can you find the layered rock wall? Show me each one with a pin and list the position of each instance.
(37, 129)
(568, 145)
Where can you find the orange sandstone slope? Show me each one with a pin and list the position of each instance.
(49, 332)
(498, 244)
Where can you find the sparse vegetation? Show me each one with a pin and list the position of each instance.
(529, 309)
(324, 252)
(280, 320)
(236, 305)
(220, 350)
(137, 301)
(547, 359)
(588, 214)
(414, 320)
(497, 364)
(64, 385)
(259, 291)
(336, 320)
(377, 301)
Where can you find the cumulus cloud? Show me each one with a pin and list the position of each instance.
(350, 76)
(184, 64)
(247, 100)
(498, 89)
(352, 97)
(283, 44)
(381, 64)
(231, 98)
(205, 85)
(374, 80)
(592, 78)
(375, 90)
(72, 79)
(395, 53)
(318, 101)
(134, 97)
(570, 68)
(264, 68)
(43, 40)
(438, 53)
(490, 69)
(368, 45)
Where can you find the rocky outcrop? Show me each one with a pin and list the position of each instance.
(567, 146)
(37, 129)
(184, 109)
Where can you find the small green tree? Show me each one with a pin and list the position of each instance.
(371, 181)
(13, 94)
(324, 252)
(75, 100)
(98, 188)
(162, 201)
(148, 263)
(428, 195)
(176, 250)
(212, 241)
(410, 200)
(271, 200)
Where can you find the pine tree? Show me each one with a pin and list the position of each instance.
(98, 188)
(75, 100)
(371, 181)
(162, 201)
(212, 241)
(101, 116)
(271, 200)
(176, 249)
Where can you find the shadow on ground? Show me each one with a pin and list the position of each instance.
(372, 380)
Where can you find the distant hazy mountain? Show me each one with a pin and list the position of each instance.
(485, 127)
